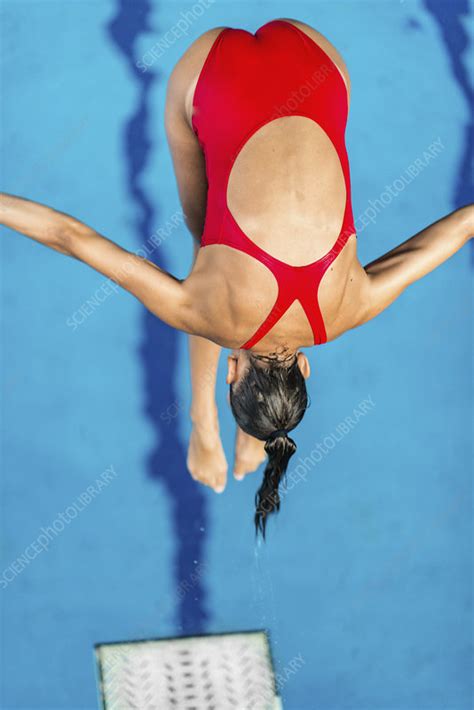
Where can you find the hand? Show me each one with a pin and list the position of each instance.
(206, 459)
(249, 454)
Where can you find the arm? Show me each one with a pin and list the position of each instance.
(390, 275)
(160, 292)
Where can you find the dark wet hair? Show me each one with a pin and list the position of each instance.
(268, 402)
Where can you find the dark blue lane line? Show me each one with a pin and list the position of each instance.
(159, 348)
(448, 16)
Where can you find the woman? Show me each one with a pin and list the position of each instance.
(255, 124)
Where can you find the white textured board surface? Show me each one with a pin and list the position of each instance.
(215, 672)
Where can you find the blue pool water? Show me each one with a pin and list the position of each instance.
(367, 573)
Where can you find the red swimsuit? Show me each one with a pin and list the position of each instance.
(247, 81)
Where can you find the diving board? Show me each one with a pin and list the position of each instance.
(231, 671)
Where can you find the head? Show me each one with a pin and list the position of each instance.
(268, 399)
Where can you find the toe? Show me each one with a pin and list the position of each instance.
(242, 468)
(220, 481)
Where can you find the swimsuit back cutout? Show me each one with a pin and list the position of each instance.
(244, 79)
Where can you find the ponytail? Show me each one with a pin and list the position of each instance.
(279, 448)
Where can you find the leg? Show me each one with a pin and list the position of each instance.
(249, 454)
(206, 458)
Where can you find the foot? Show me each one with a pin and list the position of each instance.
(206, 459)
(249, 454)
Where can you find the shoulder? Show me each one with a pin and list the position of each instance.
(355, 305)
(207, 309)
